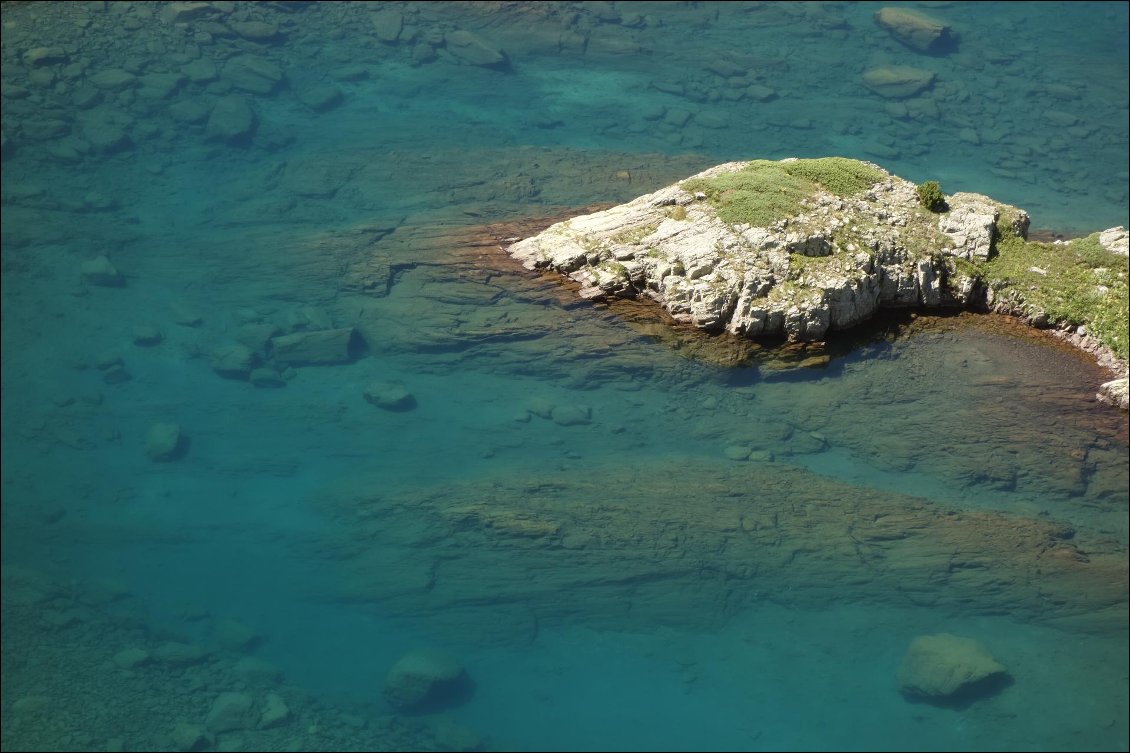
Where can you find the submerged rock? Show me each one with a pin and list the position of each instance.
(474, 50)
(164, 442)
(390, 396)
(916, 30)
(944, 668)
(101, 271)
(425, 679)
(897, 81)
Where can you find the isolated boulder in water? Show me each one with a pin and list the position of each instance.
(425, 679)
(390, 396)
(164, 442)
(943, 668)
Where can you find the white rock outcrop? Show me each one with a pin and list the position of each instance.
(829, 266)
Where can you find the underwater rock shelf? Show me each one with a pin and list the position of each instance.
(803, 247)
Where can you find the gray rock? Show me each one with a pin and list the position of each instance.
(267, 378)
(317, 347)
(916, 30)
(189, 111)
(164, 442)
(571, 415)
(86, 96)
(1116, 392)
(182, 12)
(160, 85)
(472, 49)
(231, 711)
(387, 24)
(971, 227)
(186, 736)
(937, 668)
(147, 335)
(1116, 240)
(390, 396)
(233, 361)
(131, 657)
(43, 56)
(106, 135)
(322, 98)
(201, 71)
(256, 31)
(898, 81)
(232, 120)
(351, 73)
(422, 678)
(253, 74)
(179, 654)
(275, 712)
(113, 79)
(100, 271)
(258, 671)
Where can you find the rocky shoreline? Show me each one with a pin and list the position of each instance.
(799, 249)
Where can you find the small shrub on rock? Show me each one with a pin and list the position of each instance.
(930, 196)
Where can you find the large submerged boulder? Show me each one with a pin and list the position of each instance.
(947, 668)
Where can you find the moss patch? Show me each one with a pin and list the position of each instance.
(1080, 283)
(764, 192)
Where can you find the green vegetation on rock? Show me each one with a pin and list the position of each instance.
(930, 196)
(764, 192)
(1076, 283)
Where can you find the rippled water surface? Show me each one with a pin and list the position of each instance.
(624, 544)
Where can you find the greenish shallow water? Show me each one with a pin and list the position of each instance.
(585, 574)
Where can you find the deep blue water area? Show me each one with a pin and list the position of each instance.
(625, 544)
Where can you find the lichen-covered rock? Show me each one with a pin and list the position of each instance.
(971, 227)
(1116, 392)
(1116, 240)
(943, 666)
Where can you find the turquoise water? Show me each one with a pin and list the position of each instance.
(561, 510)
